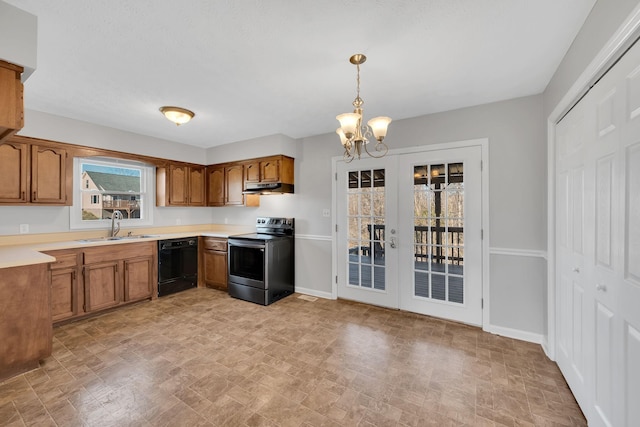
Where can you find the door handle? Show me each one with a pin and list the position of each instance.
(601, 287)
(392, 243)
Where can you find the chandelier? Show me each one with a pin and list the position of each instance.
(353, 134)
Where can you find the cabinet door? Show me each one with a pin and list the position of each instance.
(138, 274)
(215, 186)
(178, 185)
(11, 103)
(234, 185)
(270, 171)
(48, 175)
(215, 269)
(63, 294)
(101, 286)
(252, 172)
(196, 186)
(13, 173)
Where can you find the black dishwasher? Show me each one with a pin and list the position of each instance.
(177, 265)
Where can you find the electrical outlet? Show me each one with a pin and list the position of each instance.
(24, 228)
(178, 221)
(326, 213)
(226, 220)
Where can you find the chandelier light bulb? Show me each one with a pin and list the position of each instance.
(348, 123)
(379, 127)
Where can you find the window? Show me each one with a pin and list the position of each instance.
(105, 185)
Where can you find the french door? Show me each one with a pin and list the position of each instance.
(367, 211)
(409, 232)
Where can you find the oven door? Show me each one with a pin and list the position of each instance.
(246, 263)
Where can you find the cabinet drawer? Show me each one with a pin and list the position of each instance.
(63, 260)
(215, 244)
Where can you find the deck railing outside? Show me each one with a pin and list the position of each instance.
(120, 204)
(438, 245)
(446, 243)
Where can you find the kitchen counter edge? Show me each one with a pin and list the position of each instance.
(21, 255)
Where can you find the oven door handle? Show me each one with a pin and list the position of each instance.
(246, 245)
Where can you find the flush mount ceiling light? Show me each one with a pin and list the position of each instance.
(177, 115)
(353, 134)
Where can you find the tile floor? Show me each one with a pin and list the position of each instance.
(201, 358)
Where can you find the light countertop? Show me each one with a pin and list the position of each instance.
(32, 253)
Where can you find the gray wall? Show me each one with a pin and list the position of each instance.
(47, 219)
(517, 173)
(603, 21)
(517, 150)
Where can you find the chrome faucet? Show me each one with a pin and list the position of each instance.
(116, 215)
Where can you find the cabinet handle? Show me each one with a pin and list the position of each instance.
(576, 270)
(22, 195)
(601, 287)
(34, 196)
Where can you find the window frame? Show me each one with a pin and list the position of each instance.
(147, 193)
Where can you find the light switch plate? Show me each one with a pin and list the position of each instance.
(24, 228)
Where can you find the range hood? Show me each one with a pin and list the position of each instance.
(266, 188)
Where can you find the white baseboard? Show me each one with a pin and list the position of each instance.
(314, 293)
(515, 333)
(545, 348)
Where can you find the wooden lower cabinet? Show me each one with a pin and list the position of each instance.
(214, 262)
(64, 285)
(101, 286)
(26, 334)
(138, 276)
(85, 281)
(118, 274)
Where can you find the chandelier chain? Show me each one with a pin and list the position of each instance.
(358, 81)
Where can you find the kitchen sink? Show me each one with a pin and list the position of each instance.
(107, 239)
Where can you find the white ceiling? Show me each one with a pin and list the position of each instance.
(251, 68)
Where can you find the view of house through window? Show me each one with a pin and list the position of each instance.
(107, 187)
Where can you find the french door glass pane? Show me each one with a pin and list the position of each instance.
(366, 224)
(439, 232)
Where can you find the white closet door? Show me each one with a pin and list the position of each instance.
(603, 160)
(628, 283)
(572, 262)
(598, 247)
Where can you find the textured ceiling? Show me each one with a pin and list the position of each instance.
(251, 68)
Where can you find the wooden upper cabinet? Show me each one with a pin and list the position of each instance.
(270, 169)
(180, 185)
(13, 173)
(36, 174)
(234, 184)
(252, 172)
(48, 175)
(215, 186)
(11, 99)
(197, 186)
